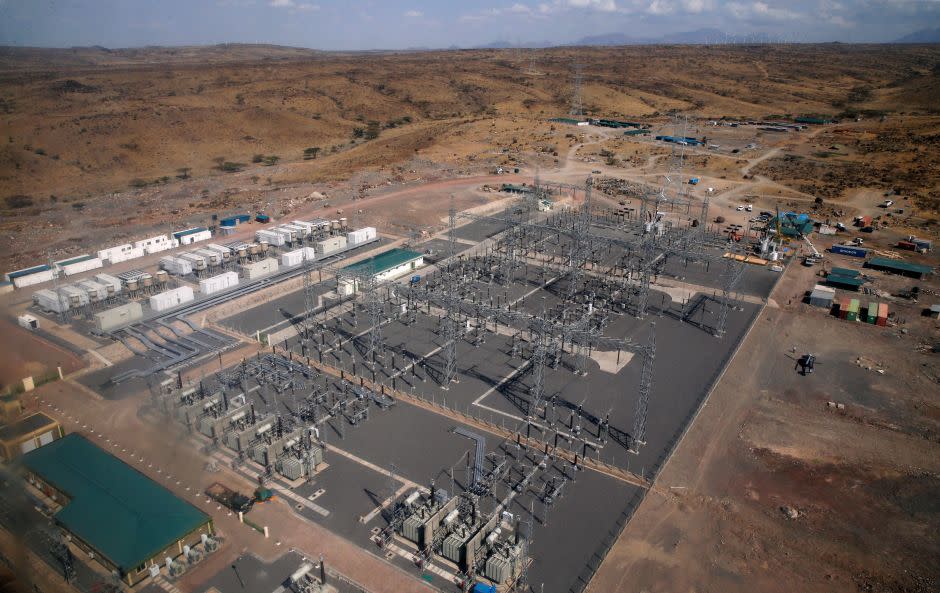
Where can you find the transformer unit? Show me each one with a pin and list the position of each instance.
(176, 265)
(96, 292)
(49, 300)
(197, 261)
(111, 284)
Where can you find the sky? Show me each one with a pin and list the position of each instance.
(401, 24)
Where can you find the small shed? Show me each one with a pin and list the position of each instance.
(822, 296)
(935, 311)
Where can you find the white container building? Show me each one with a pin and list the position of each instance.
(155, 244)
(360, 236)
(197, 261)
(112, 284)
(259, 268)
(119, 253)
(33, 275)
(49, 300)
(193, 235)
(218, 283)
(79, 264)
(96, 292)
(292, 258)
(298, 230)
(175, 265)
(330, 245)
(171, 298)
(269, 236)
(118, 316)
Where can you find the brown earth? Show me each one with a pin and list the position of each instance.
(860, 483)
(32, 356)
(97, 139)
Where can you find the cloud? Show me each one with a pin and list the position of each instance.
(668, 7)
(294, 6)
(761, 12)
(414, 14)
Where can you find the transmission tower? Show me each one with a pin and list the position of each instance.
(577, 109)
(646, 386)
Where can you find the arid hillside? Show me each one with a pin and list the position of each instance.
(156, 135)
(93, 120)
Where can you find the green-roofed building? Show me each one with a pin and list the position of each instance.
(128, 521)
(387, 265)
(898, 267)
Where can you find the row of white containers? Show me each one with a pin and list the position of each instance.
(108, 256)
(77, 295)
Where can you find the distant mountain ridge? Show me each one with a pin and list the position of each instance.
(922, 36)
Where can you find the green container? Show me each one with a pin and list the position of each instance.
(872, 316)
(854, 306)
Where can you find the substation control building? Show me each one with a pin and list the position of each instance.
(387, 265)
(27, 434)
(126, 520)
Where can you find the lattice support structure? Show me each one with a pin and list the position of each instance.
(646, 387)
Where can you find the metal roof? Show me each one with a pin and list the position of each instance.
(383, 261)
(844, 272)
(25, 426)
(191, 231)
(844, 280)
(900, 266)
(28, 271)
(124, 515)
(75, 260)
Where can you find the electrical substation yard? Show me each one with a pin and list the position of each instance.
(497, 419)
(568, 377)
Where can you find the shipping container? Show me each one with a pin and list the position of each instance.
(172, 298)
(263, 218)
(120, 253)
(218, 283)
(871, 314)
(176, 266)
(33, 275)
(258, 269)
(50, 300)
(79, 264)
(111, 319)
(882, 319)
(907, 245)
(849, 250)
(292, 258)
(852, 314)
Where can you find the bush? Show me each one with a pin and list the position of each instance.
(19, 201)
(257, 158)
(230, 167)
